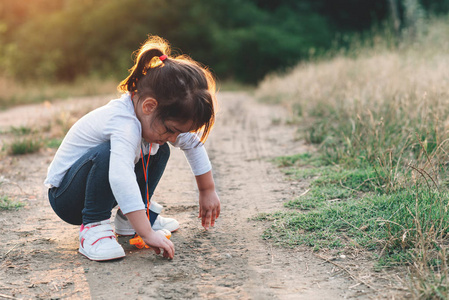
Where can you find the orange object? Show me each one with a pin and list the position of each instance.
(139, 243)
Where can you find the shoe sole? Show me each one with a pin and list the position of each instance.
(125, 233)
(81, 250)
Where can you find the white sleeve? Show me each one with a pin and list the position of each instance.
(122, 178)
(195, 152)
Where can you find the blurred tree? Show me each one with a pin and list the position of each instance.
(395, 16)
(15, 13)
(239, 39)
(353, 15)
(236, 38)
(436, 7)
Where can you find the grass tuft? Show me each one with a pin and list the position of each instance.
(8, 204)
(25, 146)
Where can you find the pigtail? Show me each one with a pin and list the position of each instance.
(154, 47)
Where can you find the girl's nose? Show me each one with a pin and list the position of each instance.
(173, 137)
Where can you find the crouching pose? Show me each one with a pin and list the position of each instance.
(116, 154)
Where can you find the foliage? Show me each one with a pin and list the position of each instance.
(238, 39)
(60, 40)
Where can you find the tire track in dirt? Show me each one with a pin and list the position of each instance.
(39, 252)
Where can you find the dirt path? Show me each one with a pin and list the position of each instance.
(38, 252)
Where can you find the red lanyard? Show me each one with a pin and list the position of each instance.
(145, 169)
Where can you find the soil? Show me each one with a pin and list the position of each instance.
(39, 256)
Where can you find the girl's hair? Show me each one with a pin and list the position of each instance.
(184, 89)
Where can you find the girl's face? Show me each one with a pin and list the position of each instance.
(155, 130)
(159, 132)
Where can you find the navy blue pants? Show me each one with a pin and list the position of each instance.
(85, 196)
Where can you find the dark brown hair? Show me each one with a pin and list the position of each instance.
(183, 88)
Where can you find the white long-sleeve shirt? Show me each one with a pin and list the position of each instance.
(117, 122)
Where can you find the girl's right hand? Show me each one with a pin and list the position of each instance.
(157, 241)
(154, 240)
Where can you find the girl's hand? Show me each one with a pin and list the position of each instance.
(209, 201)
(154, 240)
(209, 208)
(157, 241)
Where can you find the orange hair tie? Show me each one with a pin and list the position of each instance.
(163, 57)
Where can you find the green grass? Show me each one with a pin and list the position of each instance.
(24, 145)
(27, 140)
(345, 208)
(8, 204)
(53, 143)
(21, 130)
(317, 197)
(31, 144)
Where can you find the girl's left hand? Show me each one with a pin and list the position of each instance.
(209, 208)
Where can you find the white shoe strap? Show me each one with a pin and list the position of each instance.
(93, 234)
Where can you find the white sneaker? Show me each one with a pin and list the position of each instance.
(98, 242)
(169, 224)
(123, 227)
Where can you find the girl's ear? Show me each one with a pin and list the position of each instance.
(149, 105)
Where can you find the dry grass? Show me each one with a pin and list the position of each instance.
(16, 93)
(379, 102)
(407, 81)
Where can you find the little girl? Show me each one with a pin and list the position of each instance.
(116, 154)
